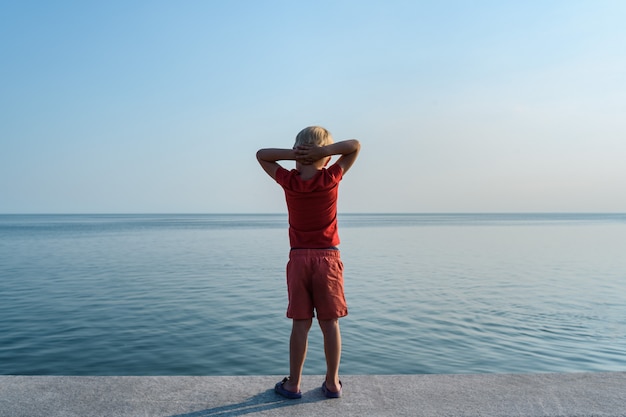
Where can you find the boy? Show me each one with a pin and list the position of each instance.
(314, 270)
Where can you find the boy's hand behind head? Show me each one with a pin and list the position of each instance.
(309, 154)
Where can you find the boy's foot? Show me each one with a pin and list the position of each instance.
(332, 394)
(280, 389)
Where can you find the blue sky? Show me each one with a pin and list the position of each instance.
(460, 106)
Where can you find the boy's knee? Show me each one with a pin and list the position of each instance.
(328, 321)
(328, 324)
(302, 324)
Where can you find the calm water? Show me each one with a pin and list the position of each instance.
(205, 294)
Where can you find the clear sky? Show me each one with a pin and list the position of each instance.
(460, 106)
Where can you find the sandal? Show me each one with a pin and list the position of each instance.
(281, 390)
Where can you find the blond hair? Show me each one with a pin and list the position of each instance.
(314, 135)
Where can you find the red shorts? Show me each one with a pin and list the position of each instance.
(315, 281)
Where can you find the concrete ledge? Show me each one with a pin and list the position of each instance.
(577, 394)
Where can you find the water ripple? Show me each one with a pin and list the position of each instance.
(202, 295)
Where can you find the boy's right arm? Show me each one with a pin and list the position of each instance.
(349, 150)
(268, 159)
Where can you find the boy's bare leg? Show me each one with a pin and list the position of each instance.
(298, 344)
(332, 349)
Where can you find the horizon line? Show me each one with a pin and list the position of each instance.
(285, 213)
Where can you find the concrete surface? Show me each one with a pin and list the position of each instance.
(577, 394)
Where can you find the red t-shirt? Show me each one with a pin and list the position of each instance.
(312, 206)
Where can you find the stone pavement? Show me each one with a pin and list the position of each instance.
(576, 394)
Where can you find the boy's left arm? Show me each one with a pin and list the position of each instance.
(269, 157)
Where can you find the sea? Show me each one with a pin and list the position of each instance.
(205, 294)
